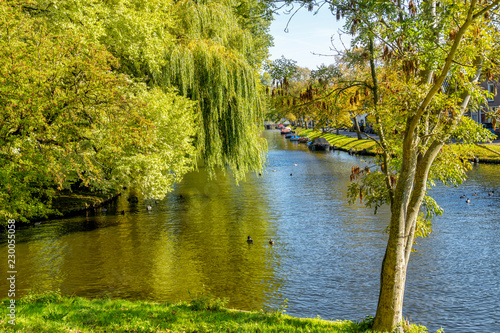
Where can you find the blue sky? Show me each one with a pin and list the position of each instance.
(307, 33)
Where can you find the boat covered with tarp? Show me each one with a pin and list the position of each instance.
(319, 144)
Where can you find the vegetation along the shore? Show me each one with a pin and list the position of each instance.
(97, 96)
(484, 152)
(51, 312)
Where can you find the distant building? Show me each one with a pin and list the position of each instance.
(491, 104)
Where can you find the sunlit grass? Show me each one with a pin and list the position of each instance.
(482, 151)
(341, 141)
(51, 312)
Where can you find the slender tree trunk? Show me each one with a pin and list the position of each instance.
(393, 275)
(392, 284)
(356, 127)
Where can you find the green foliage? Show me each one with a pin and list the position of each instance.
(371, 189)
(88, 93)
(172, 151)
(418, 65)
(52, 313)
(366, 324)
(208, 303)
(226, 89)
(46, 297)
(282, 68)
(135, 32)
(64, 111)
(468, 131)
(326, 74)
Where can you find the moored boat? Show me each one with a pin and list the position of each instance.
(303, 139)
(286, 130)
(319, 144)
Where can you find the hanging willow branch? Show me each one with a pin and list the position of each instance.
(225, 87)
(213, 63)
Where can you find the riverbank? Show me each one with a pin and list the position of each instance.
(51, 312)
(67, 203)
(70, 203)
(485, 153)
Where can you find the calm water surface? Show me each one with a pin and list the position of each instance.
(326, 259)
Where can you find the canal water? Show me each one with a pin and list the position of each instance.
(326, 257)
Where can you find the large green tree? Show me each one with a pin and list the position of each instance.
(110, 94)
(64, 112)
(425, 60)
(210, 51)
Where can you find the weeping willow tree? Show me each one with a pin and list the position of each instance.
(213, 63)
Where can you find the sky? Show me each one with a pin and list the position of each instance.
(307, 34)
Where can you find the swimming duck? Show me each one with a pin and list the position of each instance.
(291, 174)
(295, 164)
(491, 193)
(249, 240)
(467, 201)
(462, 197)
(271, 241)
(474, 194)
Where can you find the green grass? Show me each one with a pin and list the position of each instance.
(341, 141)
(51, 312)
(483, 152)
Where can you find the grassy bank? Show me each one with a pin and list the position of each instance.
(340, 141)
(51, 312)
(487, 153)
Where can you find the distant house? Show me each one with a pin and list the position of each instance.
(492, 103)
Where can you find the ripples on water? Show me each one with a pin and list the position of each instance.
(326, 259)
